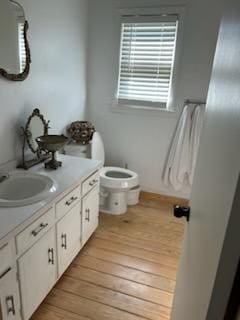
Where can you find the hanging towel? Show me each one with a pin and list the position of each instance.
(183, 152)
(197, 124)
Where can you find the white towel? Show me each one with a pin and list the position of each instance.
(183, 152)
(197, 124)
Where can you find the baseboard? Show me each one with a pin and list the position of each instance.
(148, 196)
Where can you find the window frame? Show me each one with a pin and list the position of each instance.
(149, 12)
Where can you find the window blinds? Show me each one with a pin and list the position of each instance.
(22, 49)
(147, 61)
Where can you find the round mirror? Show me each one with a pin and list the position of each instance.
(36, 126)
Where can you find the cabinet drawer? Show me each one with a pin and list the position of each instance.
(6, 258)
(68, 202)
(35, 230)
(90, 183)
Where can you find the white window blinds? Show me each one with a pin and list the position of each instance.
(147, 62)
(22, 49)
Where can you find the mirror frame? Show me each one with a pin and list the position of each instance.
(27, 164)
(27, 131)
(23, 75)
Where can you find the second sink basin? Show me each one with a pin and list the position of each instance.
(21, 189)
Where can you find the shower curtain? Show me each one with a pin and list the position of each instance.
(182, 157)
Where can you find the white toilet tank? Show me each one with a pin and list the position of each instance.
(97, 148)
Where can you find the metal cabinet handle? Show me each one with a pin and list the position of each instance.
(70, 201)
(87, 217)
(39, 229)
(10, 305)
(92, 183)
(64, 241)
(51, 256)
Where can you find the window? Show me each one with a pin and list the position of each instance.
(22, 49)
(147, 57)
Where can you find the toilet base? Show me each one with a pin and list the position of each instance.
(113, 202)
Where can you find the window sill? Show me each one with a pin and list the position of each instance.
(140, 110)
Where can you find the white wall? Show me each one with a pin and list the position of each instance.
(142, 140)
(57, 80)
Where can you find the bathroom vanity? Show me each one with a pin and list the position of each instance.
(39, 241)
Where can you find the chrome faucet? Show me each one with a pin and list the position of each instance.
(4, 176)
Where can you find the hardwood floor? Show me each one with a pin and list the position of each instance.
(127, 270)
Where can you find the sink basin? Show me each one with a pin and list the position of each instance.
(22, 189)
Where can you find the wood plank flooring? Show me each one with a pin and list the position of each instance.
(126, 271)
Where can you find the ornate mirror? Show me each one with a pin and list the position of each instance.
(15, 56)
(36, 126)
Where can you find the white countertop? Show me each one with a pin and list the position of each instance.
(73, 171)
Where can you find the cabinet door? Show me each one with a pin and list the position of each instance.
(37, 271)
(90, 213)
(68, 238)
(9, 297)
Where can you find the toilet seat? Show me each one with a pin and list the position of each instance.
(118, 178)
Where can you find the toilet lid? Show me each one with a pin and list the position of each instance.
(97, 150)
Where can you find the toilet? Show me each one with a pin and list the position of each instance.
(115, 182)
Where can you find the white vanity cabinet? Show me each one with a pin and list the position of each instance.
(39, 252)
(9, 296)
(68, 238)
(90, 213)
(37, 272)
